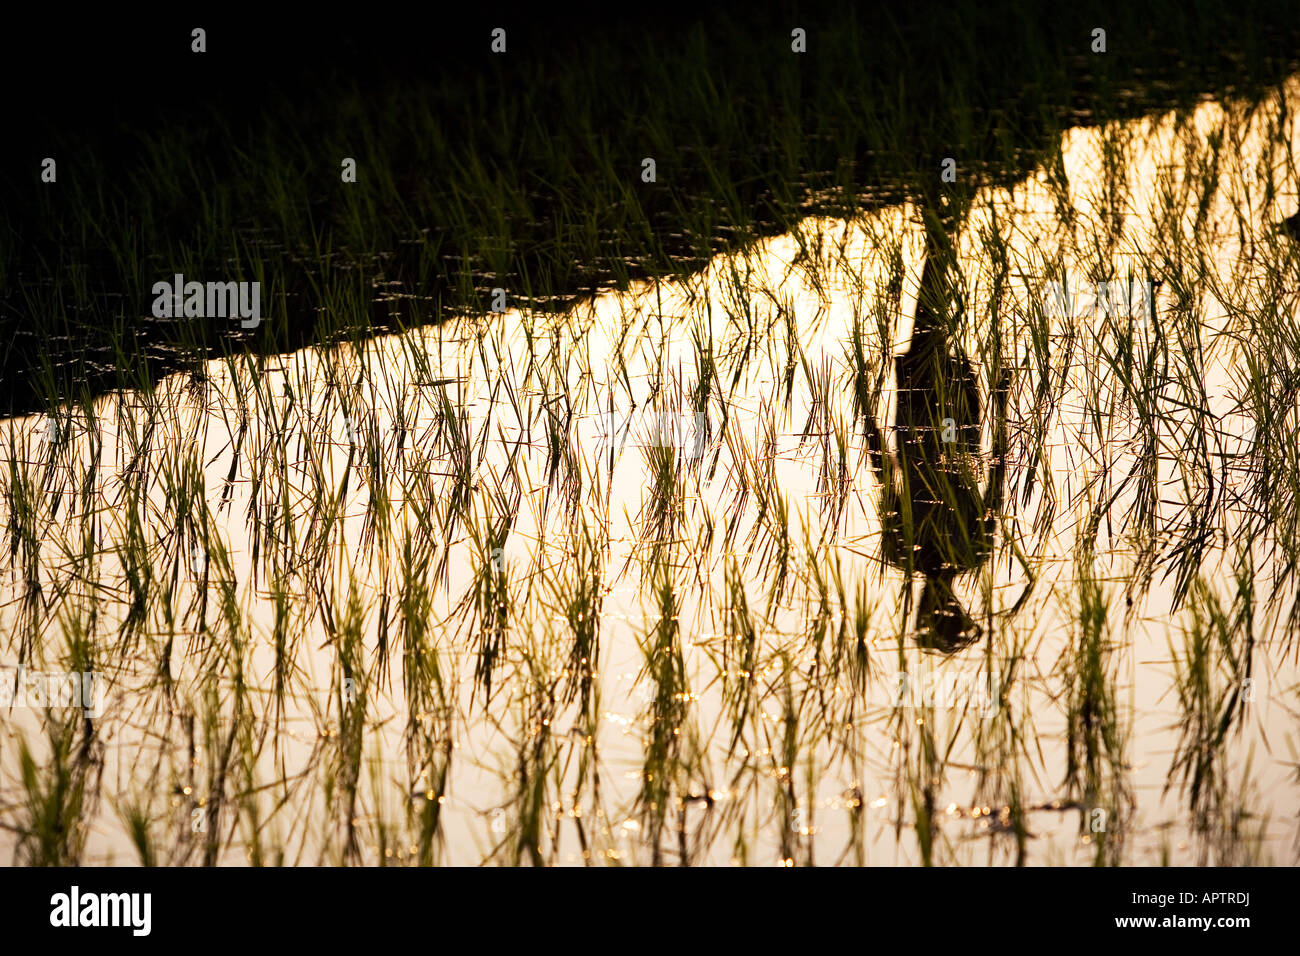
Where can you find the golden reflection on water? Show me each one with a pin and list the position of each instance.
(456, 490)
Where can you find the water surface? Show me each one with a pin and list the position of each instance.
(819, 556)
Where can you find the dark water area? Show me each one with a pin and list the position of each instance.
(173, 161)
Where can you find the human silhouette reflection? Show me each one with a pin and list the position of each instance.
(936, 521)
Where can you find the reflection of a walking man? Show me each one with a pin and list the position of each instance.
(935, 520)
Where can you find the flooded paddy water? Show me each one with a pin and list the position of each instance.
(875, 542)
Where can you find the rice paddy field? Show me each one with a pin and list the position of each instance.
(959, 527)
